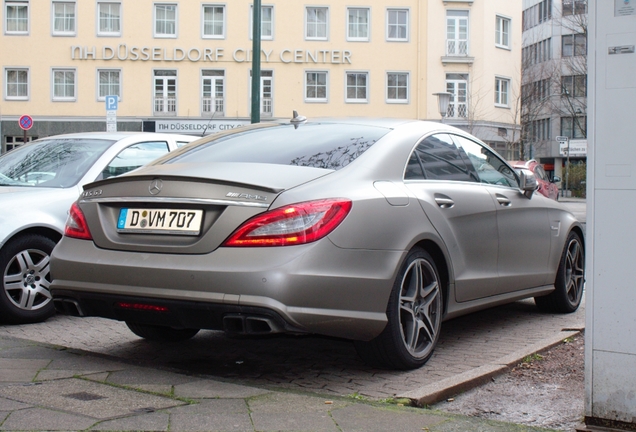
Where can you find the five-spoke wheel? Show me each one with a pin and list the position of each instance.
(414, 316)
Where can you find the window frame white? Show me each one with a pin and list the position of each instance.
(458, 17)
(220, 76)
(251, 26)
(54, 4)
(223, 7)
(356, 100)
(501, 93)
(5, 75)
(98, 27)
(500, 20)
(388, 24)
(120, 80)
(155, 7)
(64, 98)
(306, 86)
(17, 3)
(351, 38)
(326, 23)
(170, 74)
(396, 100)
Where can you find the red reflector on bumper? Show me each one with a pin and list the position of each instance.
(141, 307)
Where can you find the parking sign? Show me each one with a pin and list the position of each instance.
(111, 103)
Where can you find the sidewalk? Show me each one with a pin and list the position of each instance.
(44, 387)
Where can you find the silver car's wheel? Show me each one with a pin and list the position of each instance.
(159, 333)
(570, 279)
(414, 316)
(25, 296)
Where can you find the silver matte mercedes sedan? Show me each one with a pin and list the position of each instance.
(374, 230)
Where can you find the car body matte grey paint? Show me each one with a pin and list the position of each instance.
(338, 285)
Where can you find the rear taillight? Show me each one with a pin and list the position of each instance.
(76, 226)
(292, 225)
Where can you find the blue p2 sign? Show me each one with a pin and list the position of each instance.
(111, 103)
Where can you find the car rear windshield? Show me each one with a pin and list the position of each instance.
(53, 163)
(329, 146)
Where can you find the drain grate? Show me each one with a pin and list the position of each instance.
(84, 396)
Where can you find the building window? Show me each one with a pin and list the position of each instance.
(165, 20)
(358, 20)
(537, 14)
(574, 85)
(214, 21)
(316, 86)
(537, 53)
(267, 93)
(456, 33)
(165, 87)
(16, 17)
(397, 87)
(213, 89)
(316, 23)
(109, 19)
(16, 84)
(63, 18)
(357, 87)
(502, 91)
(267, 22)
(540, 130)
(109, 83)
(573, 45)
(397, 25)
(457, 86)
(574, 127)
(574, 7)
(63, 84)
(502, 32)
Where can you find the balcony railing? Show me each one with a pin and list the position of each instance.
(211, 105)
(266, 106)
(165, 106)
(456, 47)
(457, 110)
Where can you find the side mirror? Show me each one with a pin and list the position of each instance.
(556, 179)
(527, 182)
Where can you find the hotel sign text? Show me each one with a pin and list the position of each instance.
(123, 52)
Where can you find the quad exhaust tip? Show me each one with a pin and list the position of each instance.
(251, 325)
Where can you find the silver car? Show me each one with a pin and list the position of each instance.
(371, 230)
(38, 183)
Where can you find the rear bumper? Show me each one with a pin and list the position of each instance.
(315, 288)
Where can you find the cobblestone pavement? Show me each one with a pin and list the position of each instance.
(309, 363)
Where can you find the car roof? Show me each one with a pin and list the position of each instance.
(115, 136)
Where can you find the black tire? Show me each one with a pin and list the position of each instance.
(24, 267)
(414, 314)
(158, 333)
(570, 280)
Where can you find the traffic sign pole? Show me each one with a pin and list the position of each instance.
(26, 123)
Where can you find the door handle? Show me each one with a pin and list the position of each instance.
(444, 202)
(503, 201)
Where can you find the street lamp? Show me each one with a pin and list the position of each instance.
(443, 100)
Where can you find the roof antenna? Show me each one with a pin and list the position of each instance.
(297, 119)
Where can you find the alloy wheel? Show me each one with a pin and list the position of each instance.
(420, 308)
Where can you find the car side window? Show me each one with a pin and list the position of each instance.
(135, 156)
(490, 168)
(438, 158)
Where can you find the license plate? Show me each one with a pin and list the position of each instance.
(160, 221)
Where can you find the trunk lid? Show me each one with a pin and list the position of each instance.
(163, 202)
